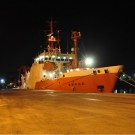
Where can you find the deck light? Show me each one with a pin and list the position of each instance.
(88, 61)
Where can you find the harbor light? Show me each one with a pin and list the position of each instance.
(88, 61)
(2, 81)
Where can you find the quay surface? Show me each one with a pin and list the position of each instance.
(56, 112)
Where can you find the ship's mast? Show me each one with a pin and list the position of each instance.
(58, 39)
(51, 39)
(51, 26)
(75, 36)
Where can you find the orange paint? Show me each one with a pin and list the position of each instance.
(91, 83)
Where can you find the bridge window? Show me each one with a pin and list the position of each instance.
(46, 58)
(58, 59)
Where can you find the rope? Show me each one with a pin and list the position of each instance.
(128, 76)
(125, 81)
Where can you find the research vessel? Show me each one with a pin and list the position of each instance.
(54, 70)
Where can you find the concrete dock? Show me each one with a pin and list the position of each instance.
(58, 112)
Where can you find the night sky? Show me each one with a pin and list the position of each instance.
(107, 31)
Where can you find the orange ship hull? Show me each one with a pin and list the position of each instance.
(89, 83)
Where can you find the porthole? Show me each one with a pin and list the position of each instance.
(98, 71)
